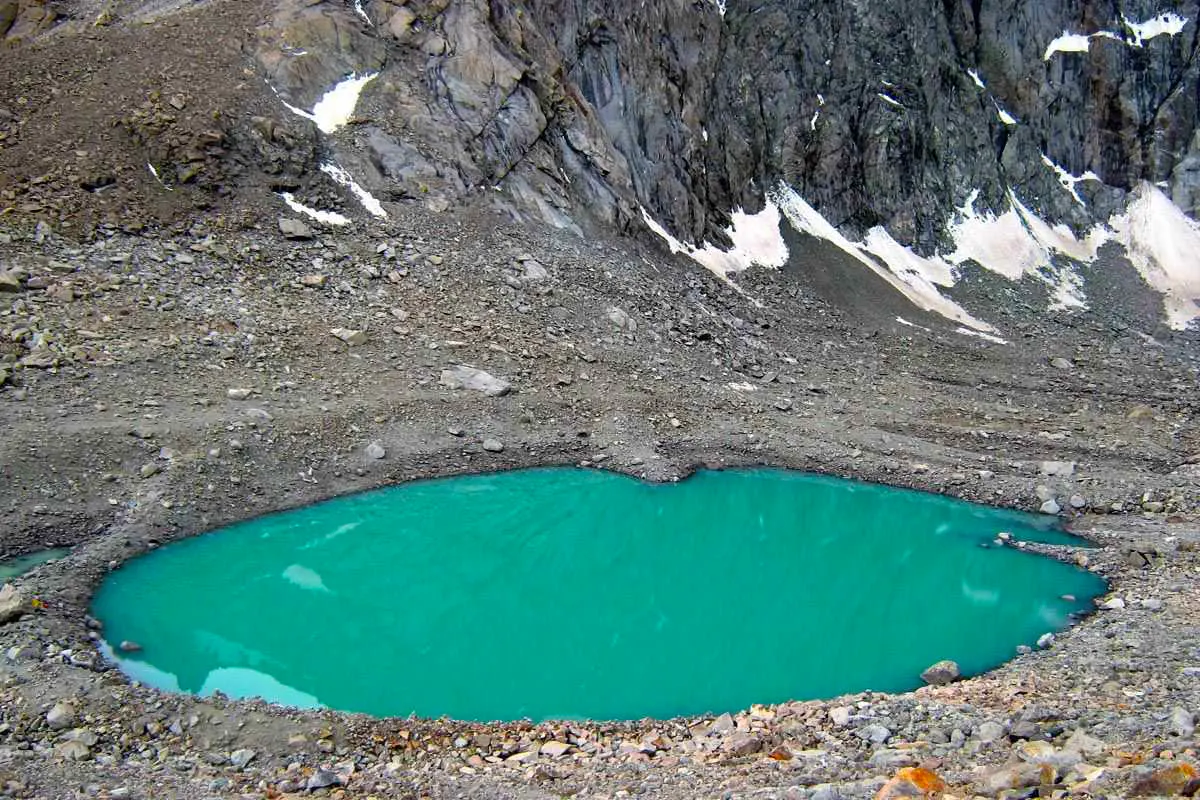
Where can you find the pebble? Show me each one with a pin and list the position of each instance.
(72, 750)
(238, 394)
(1183, 722)
(554, 749)
(1058, 469)
(1051, 507)
(61, 716)
(465, 377)
(991, 732)
(240, 758)
(321, 779)
(351, 337)
(375, 451)
(493, 445)
(294, 229)
(874, 733)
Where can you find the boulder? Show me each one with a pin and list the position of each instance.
(941, 673)
(351, 337)
(12, 604)
(464, 377)
(61, 716)
(294, 229)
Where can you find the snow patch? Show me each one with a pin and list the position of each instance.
(890, 100)
(1069, 181)
(720, 4)
(1005, 117)
(1017, 243)
(336, 107)
(373, 206)
(1167, 23)
(905, 322)
(812, 123)
(328, 217)
(154, 172)
(913, 276)
(1068, 43)
(982, 335)
(978, 80)
(362, 12)
(1163, 244)
(756, 241)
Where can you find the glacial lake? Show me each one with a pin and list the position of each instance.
(564, 593)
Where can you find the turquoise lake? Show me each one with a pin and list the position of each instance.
(565, 593)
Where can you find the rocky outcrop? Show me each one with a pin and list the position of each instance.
(583, 110)
(20, 20)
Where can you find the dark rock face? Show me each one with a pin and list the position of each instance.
(582, 110)
(1125, 112)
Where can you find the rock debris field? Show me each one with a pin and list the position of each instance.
(159, 385)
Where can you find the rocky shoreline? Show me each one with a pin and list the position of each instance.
(159, 386)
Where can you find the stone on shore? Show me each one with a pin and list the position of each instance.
(941, 673)
(12, 604)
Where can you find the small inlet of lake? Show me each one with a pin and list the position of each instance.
(563, 593)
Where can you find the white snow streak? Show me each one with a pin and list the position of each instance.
(336, 107)
(1166, 23)
(978, 80)
(1005, 117)
(1163, 244)
(368, 201)
(891, 100)
(980, 334)
(911, 275)
(1069, 181)
(154, 172)
(756, 241)
(1017, 243)
(328, 217)
(906, 323)
(362, 12)
(1068, 43)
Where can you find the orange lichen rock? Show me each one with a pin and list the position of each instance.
(912, 782)
(1172, 780)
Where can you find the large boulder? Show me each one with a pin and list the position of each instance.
(12, 604)
(941, 673)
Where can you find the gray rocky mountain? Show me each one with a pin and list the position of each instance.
(581, 110)
(887, 121)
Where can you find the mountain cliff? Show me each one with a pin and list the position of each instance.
(921, 138)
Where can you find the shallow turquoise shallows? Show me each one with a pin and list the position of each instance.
(569, 593)
(16, 567)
